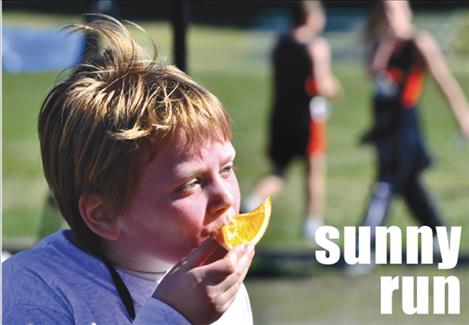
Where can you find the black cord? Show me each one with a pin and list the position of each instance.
(121, 287)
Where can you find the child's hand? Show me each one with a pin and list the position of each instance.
(204, 284)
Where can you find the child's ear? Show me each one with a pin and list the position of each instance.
(98, 217)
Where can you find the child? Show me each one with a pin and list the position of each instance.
(139, 159)
(302, 76)
(400, 58)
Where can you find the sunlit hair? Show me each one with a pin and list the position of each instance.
(300, 10)
(375, 25)
(116, 108)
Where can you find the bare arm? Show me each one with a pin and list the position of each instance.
(448, 85)
(380, 58)
(320, 53)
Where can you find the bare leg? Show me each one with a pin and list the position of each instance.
(269, 185)
(315, 194)
(316, 187)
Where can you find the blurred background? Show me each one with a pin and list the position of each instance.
(228, 50)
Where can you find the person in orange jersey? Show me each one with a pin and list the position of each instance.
(302, 80)
(400, 57)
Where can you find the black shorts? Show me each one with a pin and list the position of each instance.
(402, 152)
(287, 144)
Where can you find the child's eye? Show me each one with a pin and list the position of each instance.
(191, 185)
(227, 170)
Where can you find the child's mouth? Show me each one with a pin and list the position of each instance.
(222, 221)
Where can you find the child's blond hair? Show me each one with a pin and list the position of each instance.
(95, 125)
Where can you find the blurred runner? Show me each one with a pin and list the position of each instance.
(400, 58)
(302, 81)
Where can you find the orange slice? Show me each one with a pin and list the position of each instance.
(247, 227)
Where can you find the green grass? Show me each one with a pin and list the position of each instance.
(327, 297)
(233, 64)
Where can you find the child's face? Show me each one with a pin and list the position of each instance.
(182, 198)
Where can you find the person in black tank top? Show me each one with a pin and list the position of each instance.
(301, 75)
(400, 58)
(290, 117)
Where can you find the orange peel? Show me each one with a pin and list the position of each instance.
(246, 227)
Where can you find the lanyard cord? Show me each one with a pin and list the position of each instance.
(122, 289)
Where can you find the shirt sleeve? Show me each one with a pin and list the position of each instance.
(155, 311)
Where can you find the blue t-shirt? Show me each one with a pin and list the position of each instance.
(57, 283)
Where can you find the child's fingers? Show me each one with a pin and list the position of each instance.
(227, 290)
(203, 291)
(235, 279)
(198, 255)
(234, 265)
(217, 254)
(220, 269)
(230, 294)
(226, 298)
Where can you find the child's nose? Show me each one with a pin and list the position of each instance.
(220, 199)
